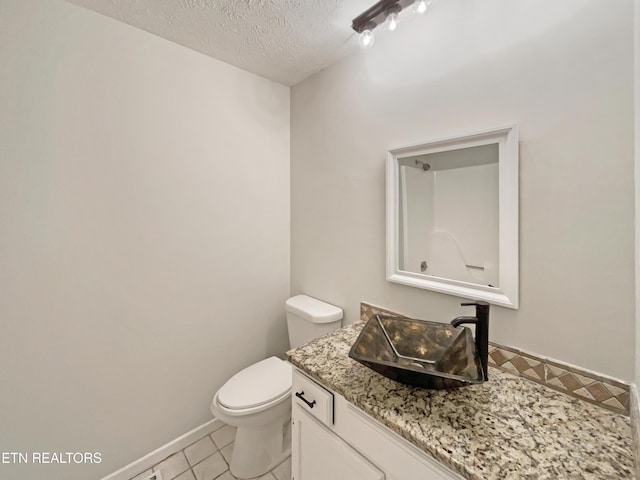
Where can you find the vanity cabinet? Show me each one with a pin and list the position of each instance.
(332, 439)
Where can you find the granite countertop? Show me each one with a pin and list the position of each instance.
(506, 428)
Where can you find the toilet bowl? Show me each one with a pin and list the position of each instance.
(257, 400)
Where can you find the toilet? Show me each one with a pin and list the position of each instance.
(257, 400)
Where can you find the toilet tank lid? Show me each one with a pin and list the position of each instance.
(313, 310)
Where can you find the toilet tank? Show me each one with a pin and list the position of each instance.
(309, 318)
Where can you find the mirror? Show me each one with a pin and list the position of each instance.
(452, 216)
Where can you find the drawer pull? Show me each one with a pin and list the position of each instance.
(300, 395)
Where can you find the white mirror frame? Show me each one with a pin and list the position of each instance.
(506, 294)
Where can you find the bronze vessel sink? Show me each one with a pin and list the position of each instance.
(426, 354)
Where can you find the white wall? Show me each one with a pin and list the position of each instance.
(564, 72)
(637, 205)
(144, 234)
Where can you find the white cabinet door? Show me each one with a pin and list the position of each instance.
(319, 454)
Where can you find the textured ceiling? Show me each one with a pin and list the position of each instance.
(284, 40)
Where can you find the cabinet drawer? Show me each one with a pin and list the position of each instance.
(312, 398)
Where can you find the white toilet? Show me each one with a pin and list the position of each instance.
(257, 400)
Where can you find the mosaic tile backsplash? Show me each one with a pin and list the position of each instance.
(578, 383)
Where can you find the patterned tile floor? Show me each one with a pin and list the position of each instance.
(208, 459)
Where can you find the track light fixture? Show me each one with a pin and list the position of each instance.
(383, 12)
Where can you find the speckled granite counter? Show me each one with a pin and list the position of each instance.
(506, 428)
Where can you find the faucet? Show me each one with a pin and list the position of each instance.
(481, 321)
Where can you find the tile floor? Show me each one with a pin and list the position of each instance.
(208, 459)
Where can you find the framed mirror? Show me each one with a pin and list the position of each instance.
(452, 215)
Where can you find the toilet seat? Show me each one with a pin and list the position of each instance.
(244, 412)
(256, 388)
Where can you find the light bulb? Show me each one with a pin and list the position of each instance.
(422, 6)
(393, 22)
(366, 38)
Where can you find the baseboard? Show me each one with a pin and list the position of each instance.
(635, 426)
(151, 459)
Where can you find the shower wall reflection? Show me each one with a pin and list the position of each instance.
(448, 206)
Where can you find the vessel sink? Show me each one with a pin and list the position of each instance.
(419, 353)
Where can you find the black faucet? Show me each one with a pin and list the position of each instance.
(481, 321)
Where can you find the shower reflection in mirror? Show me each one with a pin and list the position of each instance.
(449, 214)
